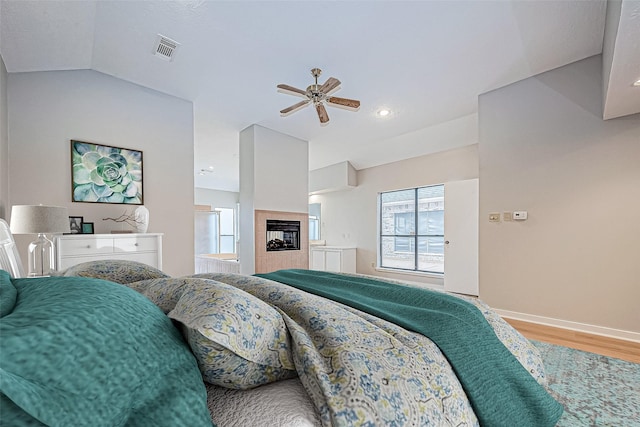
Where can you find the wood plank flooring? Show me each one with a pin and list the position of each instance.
(612, 347)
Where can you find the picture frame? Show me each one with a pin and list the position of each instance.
(75, 224)
(106, 174)
(87, 228)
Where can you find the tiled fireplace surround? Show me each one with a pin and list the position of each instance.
(278, 260)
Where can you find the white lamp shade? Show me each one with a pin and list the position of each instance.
(34, 219)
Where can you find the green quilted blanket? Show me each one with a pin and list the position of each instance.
(87, 352)
(501, 391)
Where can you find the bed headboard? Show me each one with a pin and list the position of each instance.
(9, 256)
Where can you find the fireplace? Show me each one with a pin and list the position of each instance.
(283, 235)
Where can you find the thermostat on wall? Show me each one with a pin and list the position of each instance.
(520, 215)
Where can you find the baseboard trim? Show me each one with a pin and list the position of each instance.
(574, 326)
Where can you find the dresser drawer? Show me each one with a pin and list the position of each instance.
(85, 246)
(75, 249)
(135, 244)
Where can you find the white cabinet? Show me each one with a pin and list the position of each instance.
(333, 258)
(74, 249)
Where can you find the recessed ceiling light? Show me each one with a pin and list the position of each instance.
(383, 112)
(636, 83)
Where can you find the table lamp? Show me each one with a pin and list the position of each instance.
(40, 220)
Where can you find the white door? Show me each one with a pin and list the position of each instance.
(461, 236)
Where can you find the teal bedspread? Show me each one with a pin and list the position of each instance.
(87, 352)
(501, 391)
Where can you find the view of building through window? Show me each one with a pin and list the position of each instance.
(412, 229)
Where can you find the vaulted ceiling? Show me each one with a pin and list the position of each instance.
(426, 61)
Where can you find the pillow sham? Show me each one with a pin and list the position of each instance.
(115, 270)
(239, 341)
(166, 291)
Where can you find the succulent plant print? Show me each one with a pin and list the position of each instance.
(106, 174)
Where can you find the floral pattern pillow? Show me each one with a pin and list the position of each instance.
(115, 270)
(239, 341)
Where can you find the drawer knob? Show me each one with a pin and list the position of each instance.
(135, 244)
(88, 246)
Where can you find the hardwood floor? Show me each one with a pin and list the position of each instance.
(612, 347)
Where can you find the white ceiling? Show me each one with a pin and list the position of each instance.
(427, 61)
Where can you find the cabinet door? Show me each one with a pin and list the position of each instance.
(317, 260)
(333, 261)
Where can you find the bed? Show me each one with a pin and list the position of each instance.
(120, 343)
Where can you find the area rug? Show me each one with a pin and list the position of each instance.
(595, 390)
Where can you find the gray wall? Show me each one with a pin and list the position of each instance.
(544, 148)
(47, 109)
(4, 144)
(349, 217)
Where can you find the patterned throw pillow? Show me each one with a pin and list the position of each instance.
(114, 270)
(239, 341)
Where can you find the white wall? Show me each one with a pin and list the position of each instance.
(349, 217)
(274, 175)
(4, 144)
(216, 198)
(47, 109)
(544, 148)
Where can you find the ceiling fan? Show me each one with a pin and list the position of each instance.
(318, 95)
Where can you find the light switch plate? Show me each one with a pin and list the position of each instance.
(520, 215)
(507, 216)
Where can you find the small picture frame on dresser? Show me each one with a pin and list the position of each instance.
(75, 224)
(87, 228)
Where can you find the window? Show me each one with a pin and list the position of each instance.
(412, 229)
(314, 228)
(215, 231)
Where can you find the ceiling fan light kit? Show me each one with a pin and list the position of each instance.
(318, 95)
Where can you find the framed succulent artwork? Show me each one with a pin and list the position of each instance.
(105, 174)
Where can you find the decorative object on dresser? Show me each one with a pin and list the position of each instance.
(105, 174)
(141, 217)
(87, 227)
(75, 249)
(136, 219)
(75, 224)
(40, 220)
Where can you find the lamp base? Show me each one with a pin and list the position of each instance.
(41, 257)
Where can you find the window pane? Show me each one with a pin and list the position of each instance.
(431, 209)
(226, 220)
(431, 254)
(397, 212)
(393, 258)
(313, 228)
(227, 244)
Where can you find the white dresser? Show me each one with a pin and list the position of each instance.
(74, 249)
(337, 259)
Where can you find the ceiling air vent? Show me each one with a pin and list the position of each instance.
(165, 48)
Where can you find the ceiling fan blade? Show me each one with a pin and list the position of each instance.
(346, 103)
(290, 90)
(322, 113)
(295, 107)
(330, 86)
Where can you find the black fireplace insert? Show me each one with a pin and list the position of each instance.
(283, 235)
